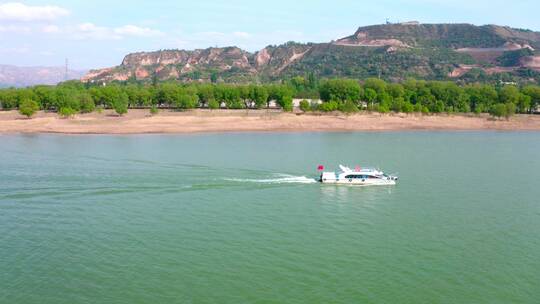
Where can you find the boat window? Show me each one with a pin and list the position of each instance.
(360, 176)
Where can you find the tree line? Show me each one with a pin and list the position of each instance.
(344, 95)
(429, 97)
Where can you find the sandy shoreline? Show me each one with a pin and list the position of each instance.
(201, 121)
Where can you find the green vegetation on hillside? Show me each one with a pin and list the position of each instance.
(438, 35)
(329, 60)
(513, 58)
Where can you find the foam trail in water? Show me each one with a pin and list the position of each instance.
(280, 179)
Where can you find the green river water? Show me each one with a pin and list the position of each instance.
(238, 218)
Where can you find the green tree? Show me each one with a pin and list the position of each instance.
(132, 92)
(67, 112)
(28, 107)
(524, 103)
(370, 96)
(283, 95)
(167, 94)
(205, 93)
(375, 84)
(299, 83)
(509, 94)
(213, 104)
(348, 107)
(214, 77)
(46, 96)
(396, 90)
(437, 107)
(186, 100)
(286, 102)
(397, 104)
(502, 110)
(87, 103)
(67, 97)
(382, 108)
(481, 97)
(340, 90)
(407, 107)
(260, 96)
(120, 104)
(498, 110)
(510, 110)
(329, 106)
(305, 106)
(534, 93)
(8, 99)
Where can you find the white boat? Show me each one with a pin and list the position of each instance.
(358, 176)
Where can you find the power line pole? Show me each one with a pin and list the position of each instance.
(66, 76)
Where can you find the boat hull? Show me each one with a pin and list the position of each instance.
(367, 182)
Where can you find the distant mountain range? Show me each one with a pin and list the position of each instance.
(14, 76)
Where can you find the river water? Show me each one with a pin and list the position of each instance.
(238, 218)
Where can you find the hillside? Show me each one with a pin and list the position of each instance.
(14, 76)
(390, 51)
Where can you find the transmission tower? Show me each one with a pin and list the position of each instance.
(66, 76)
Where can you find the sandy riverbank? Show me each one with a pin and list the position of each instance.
(140, 121)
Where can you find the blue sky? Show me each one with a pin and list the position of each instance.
(99, 33)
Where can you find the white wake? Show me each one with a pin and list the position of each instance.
(280, 179)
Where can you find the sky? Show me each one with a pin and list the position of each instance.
(98, 33)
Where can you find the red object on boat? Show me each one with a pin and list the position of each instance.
(357, 169)
(321, 167)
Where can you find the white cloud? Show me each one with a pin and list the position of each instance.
(15, 11)
(244, 40)
(242, 35)
(14, 29)
(133, 30)
(92, 31)
(15, 50)
(50, 29)
(46, 53)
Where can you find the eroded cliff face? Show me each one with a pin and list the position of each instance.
(169, 64)
(273, 60)
(362, 38)
(154, 58)
(174, 64)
